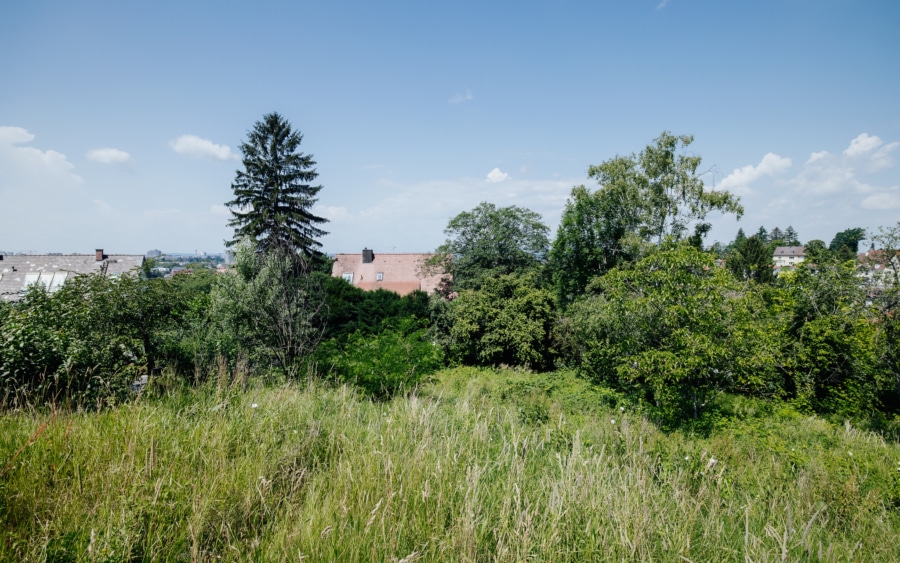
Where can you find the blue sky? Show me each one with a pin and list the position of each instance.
(120, 121)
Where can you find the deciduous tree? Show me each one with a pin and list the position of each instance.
(491, 241)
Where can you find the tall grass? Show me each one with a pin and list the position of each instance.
(478, 465)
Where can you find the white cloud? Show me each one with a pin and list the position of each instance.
(662, 4)
(411, 217)
(459, 98)
(332, 213)
(495, 176)
(197, 147)
(856, 186)
(29, 167)
(102, 205)
(863, 144)
(881, 201)
(109, 156)
(739, 181)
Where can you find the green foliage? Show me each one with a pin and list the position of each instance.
(845, 244)
(88, 341)
(589, 240)
(751, 259)
(491, 241)
(351, 309)
(643, 200)
(829, 338)
(273, 195)
(477, 465)
(884, 287)
(674, 331)
(816, 251)
(508, 321)
(271, 310)
(390, 361)
(791, 238)
(661, 188)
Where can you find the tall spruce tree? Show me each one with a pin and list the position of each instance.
(274, 195)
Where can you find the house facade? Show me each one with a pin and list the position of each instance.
(401, 273)
(788, 256)
(18, 271)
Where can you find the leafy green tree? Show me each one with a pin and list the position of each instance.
(664, 183)
(274, 195)
(668, 331)
(508, 320)
(271, 309)
(816, 251)
(89, 340)
(351, 309)
(588, 241)
(492, 241)
(751, 259)
(391, 360)
(884, 289)
(643, 200)
(830, 353)
(845, 244)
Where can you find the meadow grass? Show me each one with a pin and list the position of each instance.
(477, 465)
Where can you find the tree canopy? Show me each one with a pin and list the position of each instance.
(274, 195)
(643, 200)
(491, 241)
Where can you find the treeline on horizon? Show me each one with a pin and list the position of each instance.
(626, 294)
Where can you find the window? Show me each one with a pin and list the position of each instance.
(379, 276)
(348, 277)
(50, 280)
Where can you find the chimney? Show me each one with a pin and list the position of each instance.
(99, 254)
(368, 256)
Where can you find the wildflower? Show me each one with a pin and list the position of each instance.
(254, 405)
(711, 463)
(850, 454)
(622, 409)
(613, 421)
(687, 458)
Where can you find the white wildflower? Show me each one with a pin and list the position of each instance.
(254, 405)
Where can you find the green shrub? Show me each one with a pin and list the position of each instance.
(393, 360)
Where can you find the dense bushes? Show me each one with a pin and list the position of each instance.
(88, 341)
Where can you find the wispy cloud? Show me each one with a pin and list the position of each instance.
(109, 156)
(460, 98)
(332, 213)
(739, 181)
(198, 147)
(662, 4)
(27, 166)
(495, 176)
(832, 190)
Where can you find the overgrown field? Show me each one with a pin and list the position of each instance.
(475, 465)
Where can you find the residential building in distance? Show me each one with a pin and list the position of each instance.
(18, 271)
(788, 256)
(400, 273)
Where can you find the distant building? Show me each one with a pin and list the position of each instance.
(400, 273)
(788, 256)
(19, 271)
(153, 254)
